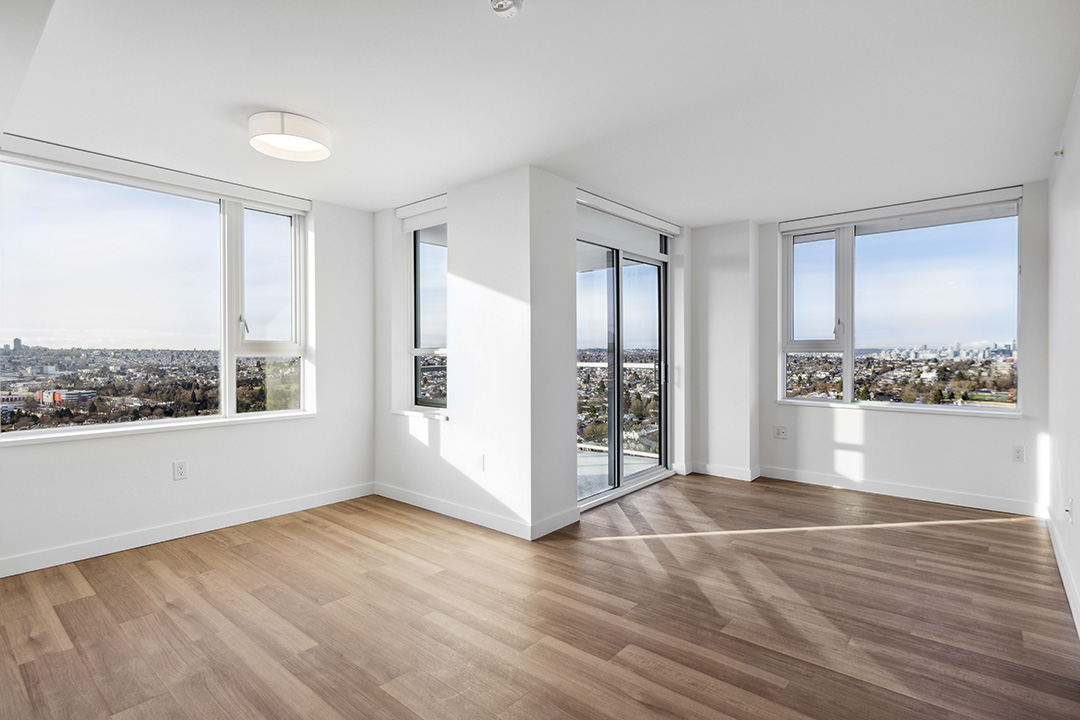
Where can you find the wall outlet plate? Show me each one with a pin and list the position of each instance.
(179, 470)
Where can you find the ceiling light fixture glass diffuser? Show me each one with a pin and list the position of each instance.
(289, 137)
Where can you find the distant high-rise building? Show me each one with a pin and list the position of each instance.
(18, 343)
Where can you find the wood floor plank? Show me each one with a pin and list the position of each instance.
(694, 598)
(178, 600)
(61, 584)
(33, 630)
(244, 611)
(14, 701)
(123, 680)
(164, 647)
(345, 687)
(707, 690)
(125, 599)
(60, 688)
(430, 699)
(163, 707)
(265, 678)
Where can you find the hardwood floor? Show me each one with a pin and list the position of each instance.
(694, 598)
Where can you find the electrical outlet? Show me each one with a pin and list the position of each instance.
(1069, 511)
(1019, 453)
(780, 432)
(179, 470)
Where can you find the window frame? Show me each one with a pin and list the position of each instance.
(239, 346)
(232, 200)
(417, 350)
(928, 213)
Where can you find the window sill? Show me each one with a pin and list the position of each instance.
(941, 411)
(142, 427)
(428, 413)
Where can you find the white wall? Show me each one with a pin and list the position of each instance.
(553, 301)
(961, 460)
(1064, 351)
(67, 500)
(725, 366)
(505, 457)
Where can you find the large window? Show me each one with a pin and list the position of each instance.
(912, 306)
(123, 303)
(429, 346)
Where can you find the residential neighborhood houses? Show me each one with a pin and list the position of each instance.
(921, 375)
(640, 405)
(49, 387)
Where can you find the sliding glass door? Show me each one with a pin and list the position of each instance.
(641, 407)
(621, 389)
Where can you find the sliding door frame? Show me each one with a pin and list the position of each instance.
(624, 484)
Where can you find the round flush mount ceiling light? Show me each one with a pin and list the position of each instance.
(506, 8)
(289, 137)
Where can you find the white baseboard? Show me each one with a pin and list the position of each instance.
(17, 564)
(913, 492)
(726, 471)
(553, 522)
(1068, 577)
(511, 526)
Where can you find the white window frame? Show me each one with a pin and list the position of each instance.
(417, 350)
(842, 341)
(1003, 202)
(410, 218)
(232, 200)
(234, 327)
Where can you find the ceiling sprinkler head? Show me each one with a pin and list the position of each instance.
(506, 8)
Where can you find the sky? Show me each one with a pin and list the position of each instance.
(267, 275)
(640, 307)
(933, 286)
(85, 263)
(431, 280)
(90, 264)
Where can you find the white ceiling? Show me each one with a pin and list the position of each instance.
(701, 111)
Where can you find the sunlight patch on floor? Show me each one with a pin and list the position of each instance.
(813, 528)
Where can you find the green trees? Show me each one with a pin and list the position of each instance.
(595, 434)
